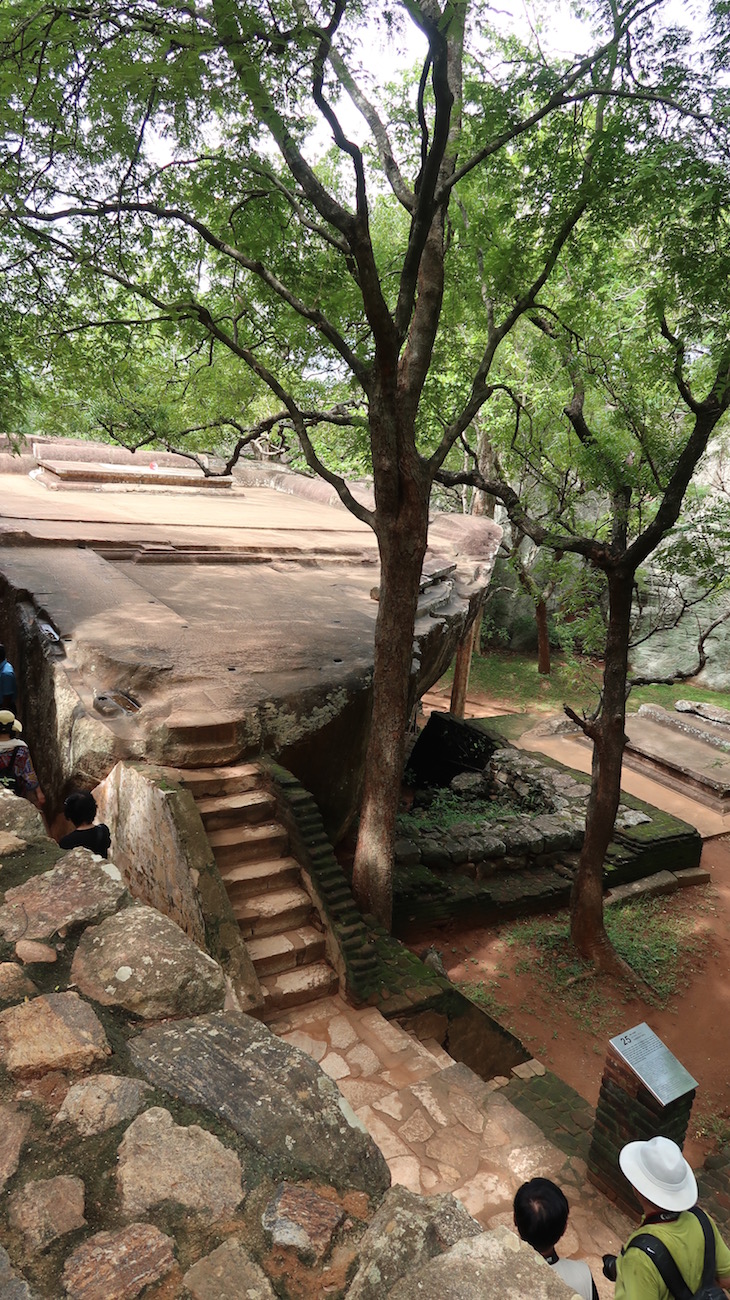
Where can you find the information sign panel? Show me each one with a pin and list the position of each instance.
(653, 1063)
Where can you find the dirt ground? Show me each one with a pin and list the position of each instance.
(693, 1025)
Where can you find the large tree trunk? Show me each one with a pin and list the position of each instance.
(586, 907)
(462, 666)
(402, 545)
(543, 638)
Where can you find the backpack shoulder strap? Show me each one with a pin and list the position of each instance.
(708, 1270)
(663, 1262)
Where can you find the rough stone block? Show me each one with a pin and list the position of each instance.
(299, 1218)
(14, 984)
(56, 1032)
(159, 1160)
(47, 1209)
(77, 890)
(228, 1273)
(118, 1265)
(97, 1104)
(14, 1126)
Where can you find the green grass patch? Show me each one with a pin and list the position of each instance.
(514, 679)
(658, 943)
(484, 994)
(448, 808)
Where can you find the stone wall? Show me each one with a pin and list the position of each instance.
(160, 846)
(154, 1143)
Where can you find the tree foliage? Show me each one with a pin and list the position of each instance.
(188, 170)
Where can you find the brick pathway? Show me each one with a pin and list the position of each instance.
(443, 1129)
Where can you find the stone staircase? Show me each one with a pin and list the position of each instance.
(283, 933)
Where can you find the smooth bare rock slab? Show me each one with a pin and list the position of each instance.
(95, 1105)
(488, 1267)
(272, 1093)
(12, 1287)
(13, 1127)
(118, 1265)
(76, 891)
(142, 961)
(14, 983)
(228, 1273)
(159, 1160)
(56, 1032)
(47, 1209)
(298, 1217)
(406, 1231)
(30, 952)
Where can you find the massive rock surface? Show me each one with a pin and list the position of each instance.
(78, 890)
(272, 1094)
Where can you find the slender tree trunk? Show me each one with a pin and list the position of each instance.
(608, 735)
(462, 667)
(543, 638)
(402, 545)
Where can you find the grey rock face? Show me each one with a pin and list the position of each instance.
(159, 1160)
(77, 890)
(488, 1267)
(142, 961)
(273, 1094)
(405, 1233)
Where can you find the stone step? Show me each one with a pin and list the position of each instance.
(273, 913)
(204, 781)
(234, 845)
(218, 811)
(250, 878)
(305, 984)
(279, 952)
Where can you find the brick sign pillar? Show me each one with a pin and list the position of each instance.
(645, 1093)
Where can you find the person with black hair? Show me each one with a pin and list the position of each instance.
(80, 808)
(541, 1217)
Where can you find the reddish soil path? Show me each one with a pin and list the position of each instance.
(693, 1025)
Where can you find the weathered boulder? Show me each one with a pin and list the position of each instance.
(96, 1104)
(407, 1231)
(56, 1032)
(159, 1160)
(488, 1267)
(142, 961)
(78, 890)
(47, 1209)
(270, 1092)
(118, 1265)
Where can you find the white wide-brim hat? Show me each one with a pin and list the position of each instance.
(659, 1171)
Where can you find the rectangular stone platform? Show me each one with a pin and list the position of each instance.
(94, 474)
(680, 761)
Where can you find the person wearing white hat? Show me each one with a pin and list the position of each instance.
(666, 1189)
(15, 762)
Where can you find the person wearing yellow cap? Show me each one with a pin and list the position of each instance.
(16, 768)
(678, 1250)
